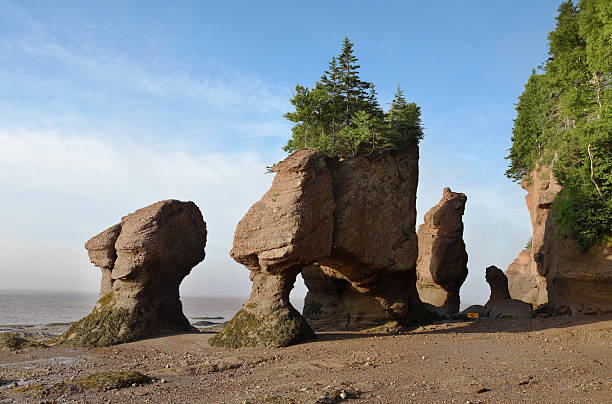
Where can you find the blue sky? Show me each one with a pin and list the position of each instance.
(109, 106)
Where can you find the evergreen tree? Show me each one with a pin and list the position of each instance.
(404, 120)
(331, 81)
(530, 127)
(353, 89)
(341, 115)
(564, 119)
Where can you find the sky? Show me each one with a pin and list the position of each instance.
(107, 107)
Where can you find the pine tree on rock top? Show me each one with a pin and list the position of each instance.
(341, 115)
(404, 120)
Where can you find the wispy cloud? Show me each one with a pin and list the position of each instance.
(216, 90)
(58, 83)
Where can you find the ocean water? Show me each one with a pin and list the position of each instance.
(41, 308)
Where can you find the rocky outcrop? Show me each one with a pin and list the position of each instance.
(143, 261)
(553, 270)
(526, 278)
(524, 282)
(348, 226)
(442, 264)
(498, 282)
(500, 303)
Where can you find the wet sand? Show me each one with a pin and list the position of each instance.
(549, 360)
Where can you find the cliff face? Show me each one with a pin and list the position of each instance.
(553, 270)
(442, 263)
(348, 226)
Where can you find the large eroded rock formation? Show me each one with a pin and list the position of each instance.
(369, 277)
(290, 225)
(143, 261)
(553, 270)
(442, 264)
(348, 226)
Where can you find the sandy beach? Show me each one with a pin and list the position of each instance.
(544, 360)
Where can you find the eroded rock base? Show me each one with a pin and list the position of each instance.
(280, 328)
(110, 324)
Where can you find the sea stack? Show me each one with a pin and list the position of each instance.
(348, 226)
(288, 228)
(143, 261)
(369, 278)
(442, 263)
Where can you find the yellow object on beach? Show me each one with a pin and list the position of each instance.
(472, 315)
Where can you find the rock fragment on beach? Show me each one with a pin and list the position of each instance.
(348, 226)
(500, 303)
(442, 263)
(154, 249)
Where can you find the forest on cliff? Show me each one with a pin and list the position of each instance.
(564, 120)
(341, 116)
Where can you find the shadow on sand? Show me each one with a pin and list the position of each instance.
(480, 326)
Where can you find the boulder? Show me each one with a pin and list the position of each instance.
(442, 263)
(143, 260)
(510, 308)
(348, 226)
(553, 270)
(469, 312)
(498, 282)
(500, 303)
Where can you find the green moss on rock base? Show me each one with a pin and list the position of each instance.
(278, 329)
(109, 324)
(97, 381)
(13, 342)
(106, 325)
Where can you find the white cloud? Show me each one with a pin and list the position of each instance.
(70, 188)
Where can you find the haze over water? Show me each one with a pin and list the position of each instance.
(40, 308)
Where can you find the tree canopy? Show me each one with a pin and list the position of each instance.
(564, 119)
(341, 116)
